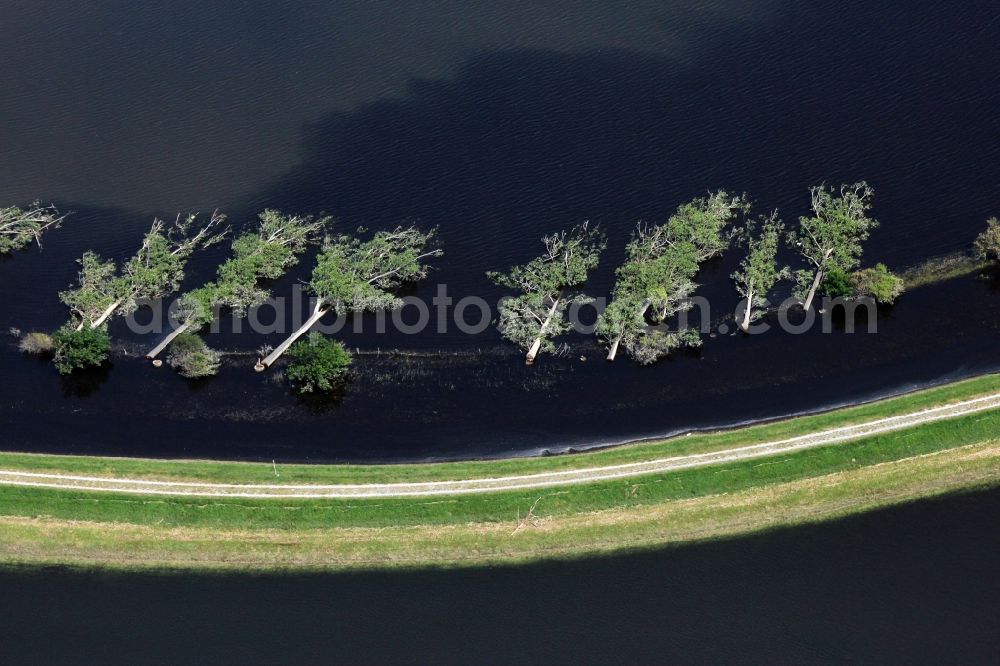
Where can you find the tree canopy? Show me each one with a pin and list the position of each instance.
(658, 275)
(192, 358)
(878, 283)
(831, 238)
(258, 255)
(97, 287)
(537, 315)
(355, 275)
(759, 272)
(317, 363)
(85, 348)
(154, 271)
(19, 227)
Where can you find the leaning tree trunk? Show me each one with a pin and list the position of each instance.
(812, 290)
(745, 325)
(537, 344)
(614, 345)
(104, 316)
(614, 348)
(107, 313)
(167, 340)
(817, 280)
(317, 314)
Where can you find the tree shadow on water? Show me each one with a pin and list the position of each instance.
(323, 402)
(86, 382)
(519, 143)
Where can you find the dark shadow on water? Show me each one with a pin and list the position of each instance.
(915, 584)
(85, 382)
(322, 402)
(523, 142)
(517, 143)
(992, 276)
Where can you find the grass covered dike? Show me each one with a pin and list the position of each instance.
(47, 526)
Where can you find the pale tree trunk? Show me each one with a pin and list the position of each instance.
(537, 344)
(104, 316)
(107, 313)
(816, 280)
(812, 289)
(317, 314)
(154, 352)
(614, 348)
(614, 345)
(746, 315)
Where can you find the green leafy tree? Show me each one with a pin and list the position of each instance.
(355, 275)
(317, 363)
(657, 279)
(759, 272)
(97, 287)
(154, 271)
(837, 284)
(264, 254)
(20, 227)
(77, 349)
(537, 315)
(192, 358)
(987, 244)
(831, 238)
(705, 223)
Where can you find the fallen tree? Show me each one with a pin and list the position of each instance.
(354, 275)
(758, 272)
(830, 239)
(537, 315)
(263, 254)
(20, 227)
(658, 276)
(154, 271)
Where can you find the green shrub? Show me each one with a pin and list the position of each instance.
(192, 358)
(879, 283)
(317, 363)
(837, 284)
(987, 245)
(85, 348)
(40, 344)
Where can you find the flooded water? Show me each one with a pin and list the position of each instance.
(914, 585)
(497, 125)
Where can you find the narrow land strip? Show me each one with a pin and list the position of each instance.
(45, 540)
(139, 486)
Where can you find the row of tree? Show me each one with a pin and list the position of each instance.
(263, 254)
(657, 279)
(351, 274)
(354, 274)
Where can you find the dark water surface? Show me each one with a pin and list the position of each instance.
(497, 123)
(914, 585)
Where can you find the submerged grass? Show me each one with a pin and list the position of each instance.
(939, 269)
